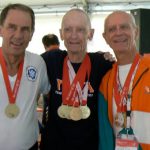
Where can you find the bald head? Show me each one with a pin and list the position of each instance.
(75, 32)
(121, 33)
(80, 15)
(124, 15)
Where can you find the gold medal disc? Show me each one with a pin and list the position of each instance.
(120, 120)
(76, 113)
(60, 111)
(85, 111)
(12, 111)
(63, 111)
(67, 112)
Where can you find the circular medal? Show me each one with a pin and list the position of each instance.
(12, 111)
(76, 113)
(67, 112)
(85, 111)
(64, 111)
(60, 111)
(120, 119)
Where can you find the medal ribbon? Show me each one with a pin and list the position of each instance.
(120, 95)
(12, 94)
(69, 90)
(81, 95)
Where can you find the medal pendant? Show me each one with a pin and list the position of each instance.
(120, 119)
(64, 111)
(85, 111)
(61, 110)
(67, 112)
(12, 111)
(76, 113)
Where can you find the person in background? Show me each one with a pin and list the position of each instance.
(50, 42)
(75, 76)
(23, 76)
(125, 89)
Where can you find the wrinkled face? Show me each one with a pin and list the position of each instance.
(16, 32)
(120, 33)
(75, 32)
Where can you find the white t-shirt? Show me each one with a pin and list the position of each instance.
(21, 133)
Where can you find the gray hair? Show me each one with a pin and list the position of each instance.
(17, 6)
(132, 19)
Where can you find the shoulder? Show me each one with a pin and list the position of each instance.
(146, 59)
(32, 57)
(94, 55)
(54, 58)
(33, 63)
(97, 58)
(54, 54)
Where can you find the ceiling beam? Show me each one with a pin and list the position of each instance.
(90, 7)
(85, 5)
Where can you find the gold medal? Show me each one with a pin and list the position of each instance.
(76, 113)
(60, 111)
(63, 111)
(12, 111)
(85, 111)
(120, 120)
(67, 112)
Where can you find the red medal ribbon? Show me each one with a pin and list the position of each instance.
(120, 95)
(69, 90)
(12, 94)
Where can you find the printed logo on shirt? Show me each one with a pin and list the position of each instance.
(147, 89)
(59, 88)
(31, 73)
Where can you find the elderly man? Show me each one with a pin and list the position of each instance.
(126, 87)
(23, 77)
(75, 76)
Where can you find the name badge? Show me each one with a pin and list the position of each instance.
(126, 144)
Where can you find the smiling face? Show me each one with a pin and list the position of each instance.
(16, 32)
(76, 31)
(120, 32)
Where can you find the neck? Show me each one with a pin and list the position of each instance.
(124, 59)
(76, 57)
(52, 47)
(12, 64)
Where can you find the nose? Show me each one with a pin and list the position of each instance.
(18, 34)
(118, 30)
(74, 33)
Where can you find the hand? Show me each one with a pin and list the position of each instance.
(108, 56)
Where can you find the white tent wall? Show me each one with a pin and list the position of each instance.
(44, 24)
(98, 43)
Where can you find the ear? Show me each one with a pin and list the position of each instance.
(137, 33)
(91, 34)
(105, 37)
(0, 30)
(61, 34)
(31, 36)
